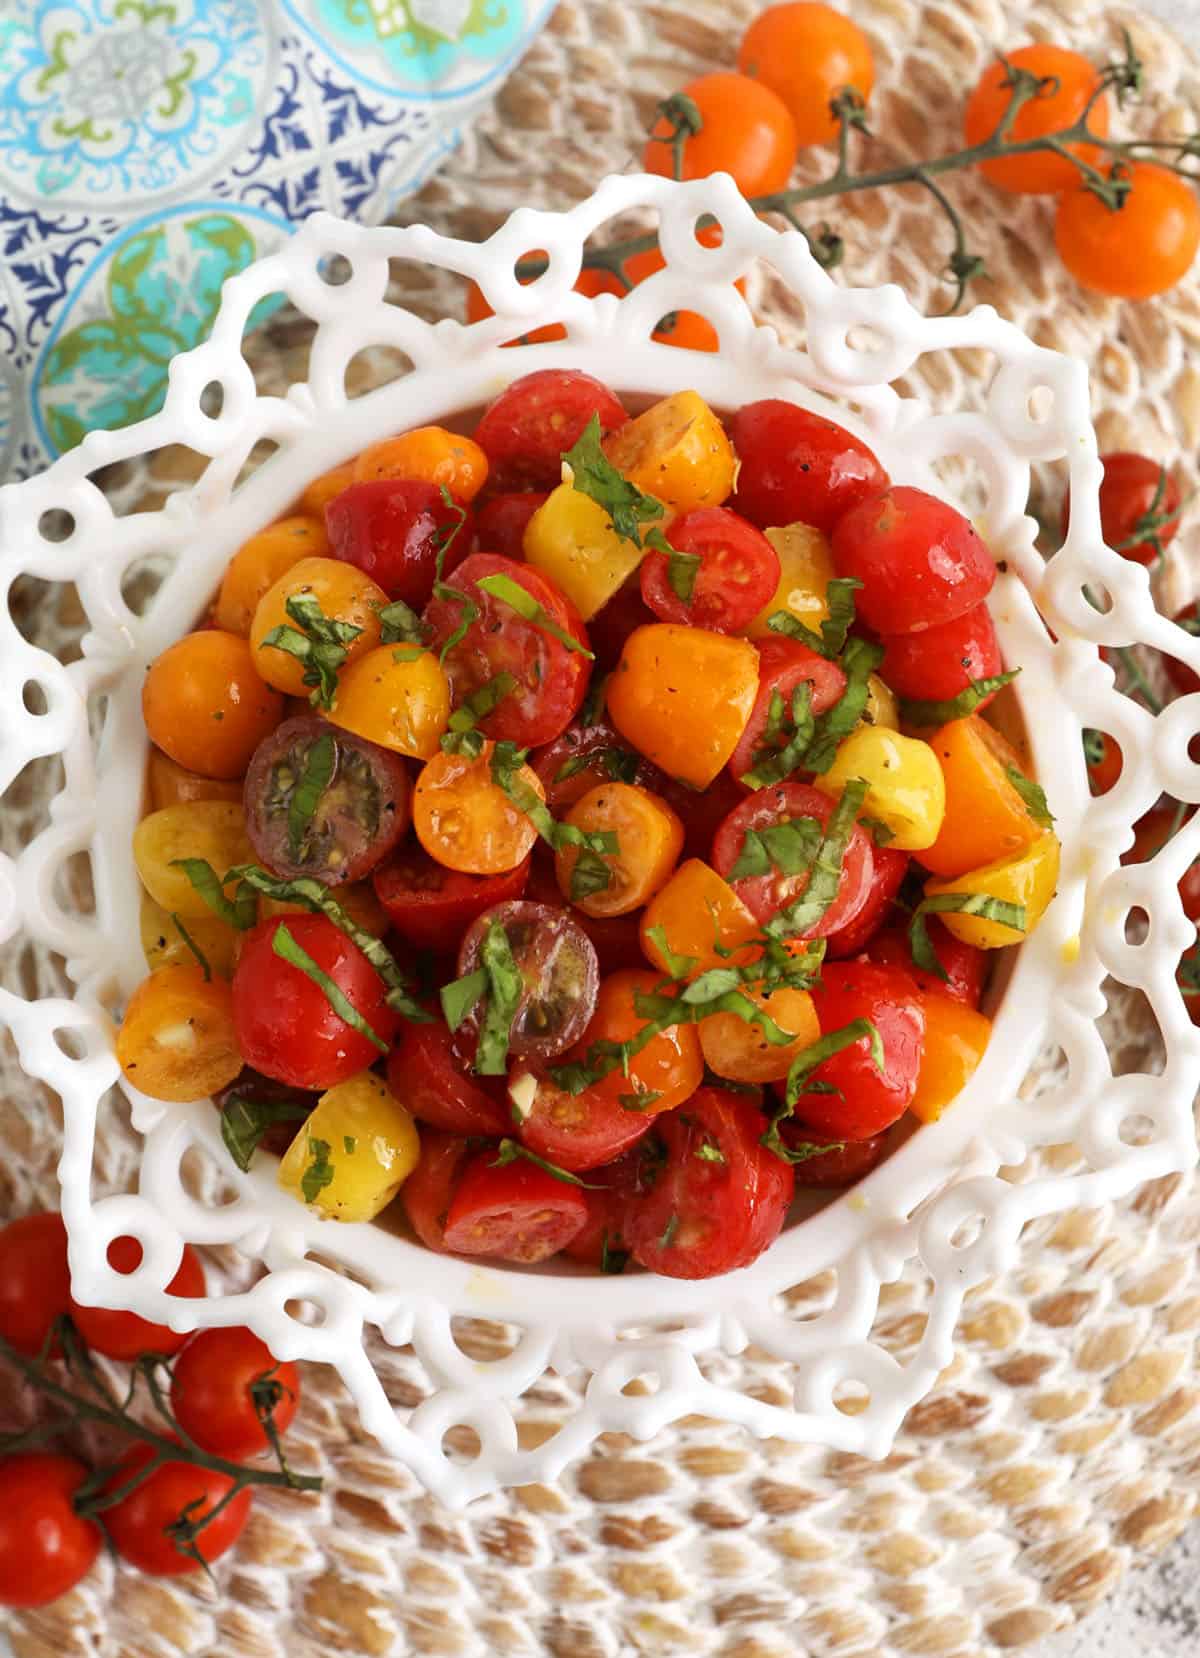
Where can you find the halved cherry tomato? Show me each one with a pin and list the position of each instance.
(1137, 250)
(601, 1243)
(286, 1026)
(551, 679)
(808, 53)
(845, 1162)
(1068, 82)
(526, 430)
(217, 1385)
(616, 937)
(428, 454)
(431, 906)
(46, 1547)
(865, 1100)
(399, 701)
(677, 451)
(1028, 878)
(139, 1524)
(682, 697)
(559, 975)
(938, 663)
(889, 868)
(170, 784)
(954, 1043)
(965, 966)
(649, 841)
(35, 1280)
(798, 467)
(342, 593)
(698, 915)
(737, 573)
(258, 564)
(426, 1193)
(121, 1335)
(765, 895)
(1139, 507)
(583, 758)
(392, 529)
(429, 1071)
(323, 802)
(920, 561)
(205, 704)
(747, 131)
(1105, 762)
(464, 819)
(738, 1050)
(986, 816)
(177, 1040)
(783, 666)
(512, 1212)
(717, 1199)
(501, 521)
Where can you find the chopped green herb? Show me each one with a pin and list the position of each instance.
(317, 641)
(612, 1260)
(505, 989)
(620, 764)
(319, 1172)
(957, 903)
(350, 1144)
(400, 625)
(507, 761)
(306, 796)
(241, 912)
(191, 945)
(803, 1151)
(460, 996)
(461, 736)
(682, 570)
(677, 966)
(708, 1151)
(244, 1121)
(800, 1075)
(592, 711)
(1033, 795)
(804, 912)
(448, 534)
(669, 1231)
(516, 597)
(831, 641)
(512, 1151)
(594, 475)
(468, 613)
(786, 739)
(641, 1099)
(878, 830)
(788, 847)
(590, 874)
(955, 708)
(285, 947)
(858, 662)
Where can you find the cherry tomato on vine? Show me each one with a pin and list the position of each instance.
(1104, 759)
(965, 966)
(940, 662)
(430, 1070)
(222, 1385)
(559, 974)
(205, 704)
(426, 1193)
(783, 666)
(1143, 247)
(808, 53)
(687, 329)
(526, 430)
(512, 1212)
(120, 1335)
(431, 906)
(798, 467)
(920, 561)
(500, 523)
(1069, 81)
(46, 1548)
(140, 1523)
(746, 131)
(392, 529)
(1139, 506)
(766, 895)
(737, 572)
(35, 1281)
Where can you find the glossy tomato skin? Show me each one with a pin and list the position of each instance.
(601, 1243)
(1134, 487)
(500, 523)
(700, 1215)
(583, 1131)
(783, 666)
(765, 895)
(512, 1212)
(965, 965)
(431, 906)
(526, 430)
(869, 1100)
(138, 1524)
(1141, 249)
(612, 761)
(938, 663)
(45, 1547)
(427, 1192)
(35, 1280)
(887, 877)
(286, 1028)
(617, 938)
(429, 1071)
(121, 1335)
(919, 560)
(551, 680)
(844, 1163)
(392, 528)
(559, 974)
(610, 627)
(798, 468)
(211, 1395)
(737, 574)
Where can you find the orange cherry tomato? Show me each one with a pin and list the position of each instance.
(807, 53)
(343, 593)
(678, 452)
(206, 706)
(697, 914)
(986, 819)
(649, 841)
(177, 1039)
(747, 131)
(399, 702)
(1140, 249)
(682, 697)
(170, 784)
(591, 283)
(740, 1052)
(670, 1065)
(431, 455)
(258, 564)
(326, 488)
(1069, 80)
(687, 329)
(955, 1039)
(466, 821)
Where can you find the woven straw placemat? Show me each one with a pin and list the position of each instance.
(1063, 1444)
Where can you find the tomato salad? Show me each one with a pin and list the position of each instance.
(587, 830)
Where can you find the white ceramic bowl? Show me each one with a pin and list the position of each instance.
(940, 1196)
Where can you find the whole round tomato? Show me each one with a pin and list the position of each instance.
(865, 1100)
(427, 1192)
(919, 560)
(940, 662)
(808, 53)
(559, 974)
(35, 1281)
(713, 1198)
(551, 679)
(205, 704)
(799, 468)
(500, 524)
(430, 1070)
(765, 895)
(1184, 679)
(286, 1026)
(1139, 506)
(393, 529)
(747, 131)
(737, 573)
(120, 1335)
(845, 1162)
(1137, 250)
(1069, 81)
(512, 1211)
(687, 330)
(1105, 761)
(527, 429)
(783, 666)
(887, 877)
(965, 965)
(431, 906)
(223, 1385)
(45, 1547)
(140, 1524)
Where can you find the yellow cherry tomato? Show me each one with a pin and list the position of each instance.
(682, 697)
(882, 708)
(905, 788)
(1028, 878)
(805, 572)
(325, 488)
(739, 1051)
(430, 454)
(258, 564)
(955, 1039)
(354, 1151)
(986, 818)
(206, 706)
(214, 830)
(649, 841)
(170, 784)
(465, 820)
(678, 452)
(570, 538)
(400, 702)
(343, 593)
(698, 915)
(164, 944)
(177, 1040)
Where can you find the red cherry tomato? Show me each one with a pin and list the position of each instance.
(701, 811)
(512, 1212)
(584, 757)
(580, 1131)
(222, 1385)
(938, 663)
(393, 528)
(919, 560)
(1139, 505)
(431, 906)
(121, 1335)
(286, 1026)
(737, 574)
(617, 938)
(500, 523)
(1183, 678)
(430, 1071)
(717, 1198)
(846, 1161)
(45, 1547)
(890, 868)
(551, 679)
(783, 666)
(139, 1524)
(559, 975)
(1105, 761)
(965, 966)
(798, 468)
(868, 1100)
(765, 895)
(427, 1191)
(601, 1244)
(35, 1282)
(532, 423)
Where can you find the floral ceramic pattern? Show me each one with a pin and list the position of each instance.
(423, 46)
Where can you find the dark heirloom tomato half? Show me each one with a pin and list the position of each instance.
(526, 430)
(866, 1100)
(935, 665)
(583, 758)
(429, 1071)
(798, 468)
(559, 974)
(765, 895)
(393, 529)
(255, 1089)
(712, 1198)
(617, 938)
(919, 560)
(512, 1212)
(736, 576)
(887, 877)
(845, 1162)
(783, 666)
(500, 522)
(965, 965)
(334, 821)
(431, 906)
(551, 679)
(427, 1192)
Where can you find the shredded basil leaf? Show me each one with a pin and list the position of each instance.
(708, 1151)
(641, 1098)
(590, 874)
(285, 947)
(244, 1121)
(804, 912)
(786, 740)
(467, 615)
(800, 1074)
(957, 903)
(350, 1144)
(806, 1150)
(319, 1172)
(506, 763)
(193, 947)
(448, 534)
(835, 629)
(669, 1231)
(505, 988)
(677, 966)
(512, 1151)
(878, 830)
(594, 475)
(241, 912)
(859, 661)
(512, 594)
(788, 847)
(401, 625)
(612, 1260)
(461, 995)
(462, 735)
(682, 570)
(955, 708)
(306, 796)
(620, 764)
(317, 641)
(1033, 795)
